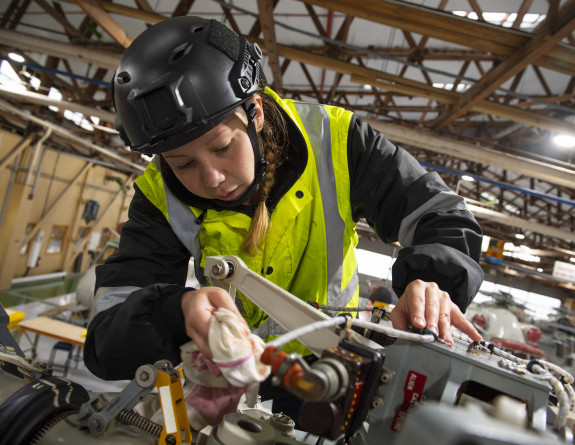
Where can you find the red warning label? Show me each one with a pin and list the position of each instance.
(412, 390)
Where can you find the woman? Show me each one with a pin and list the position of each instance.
(281, 184)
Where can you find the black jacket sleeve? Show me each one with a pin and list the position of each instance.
(148, 325)
(401, 201)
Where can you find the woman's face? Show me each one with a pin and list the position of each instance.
(220, 163)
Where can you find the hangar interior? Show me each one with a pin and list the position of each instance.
(480, 91)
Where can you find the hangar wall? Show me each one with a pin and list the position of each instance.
(44, 191)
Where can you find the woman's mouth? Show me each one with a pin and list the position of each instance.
(229, 195)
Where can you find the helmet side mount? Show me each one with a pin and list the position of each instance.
(245, 75)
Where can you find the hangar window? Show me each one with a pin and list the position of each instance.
(57, 238)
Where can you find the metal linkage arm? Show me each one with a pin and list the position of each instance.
(98, 412)
(287, 310)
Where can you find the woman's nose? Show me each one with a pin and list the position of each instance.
(212, 176)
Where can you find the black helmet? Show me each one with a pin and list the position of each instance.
(179, 79)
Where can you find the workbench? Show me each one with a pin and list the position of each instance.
(56, 329)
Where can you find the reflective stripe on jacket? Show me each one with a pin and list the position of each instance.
(309, 248)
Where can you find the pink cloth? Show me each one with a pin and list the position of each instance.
(212, 403)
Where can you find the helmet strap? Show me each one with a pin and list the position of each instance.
(260, 163)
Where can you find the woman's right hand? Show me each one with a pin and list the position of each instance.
(198, 307)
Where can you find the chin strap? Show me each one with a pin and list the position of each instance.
(260, 164)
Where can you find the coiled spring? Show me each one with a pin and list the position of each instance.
(134, 419)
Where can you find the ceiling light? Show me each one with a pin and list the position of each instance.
(539, 269)
(564, 140)
(16, 57)
(468, 178)
(572, 259)
(520, 235)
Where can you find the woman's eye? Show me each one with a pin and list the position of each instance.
(184, 166)
(224, 149)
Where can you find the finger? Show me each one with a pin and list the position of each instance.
(203, 346)
(433, 299)
(444, 317)
(221, 298)
(465, 326)
(415, 298)
(399, 318)
(444, 324)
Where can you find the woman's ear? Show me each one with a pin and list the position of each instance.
(259, 121)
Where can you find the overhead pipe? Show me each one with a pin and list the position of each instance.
(502, 185)
(68, 135)
(509, 220)
(58, 72)
(514, 221)
(96, 161)
(40, 99)
(65, 181)
(28, 42)
(49, 276)
(38, 174)
(470, 152)
(37, 148)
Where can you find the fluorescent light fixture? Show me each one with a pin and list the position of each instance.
(564, 140)
(9, 78)
(504, 19)
(16, 57)
(468, 178)
(53, 93)
(520, 252)
(449, 86)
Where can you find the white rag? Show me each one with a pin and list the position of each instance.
(213, 388)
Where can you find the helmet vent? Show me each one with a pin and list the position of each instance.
(123, 78)
(178, 52)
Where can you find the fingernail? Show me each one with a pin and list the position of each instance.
(434, 330)
(420, 321)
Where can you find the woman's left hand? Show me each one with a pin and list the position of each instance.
(425, 305)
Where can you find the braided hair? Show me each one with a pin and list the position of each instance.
(274, 140)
